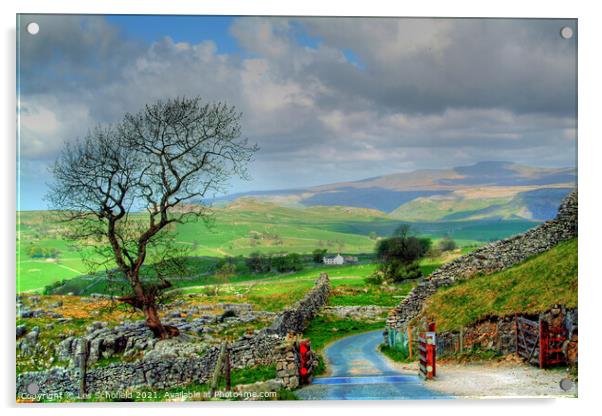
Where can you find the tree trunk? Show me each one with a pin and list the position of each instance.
(147, 303)
(154, 323)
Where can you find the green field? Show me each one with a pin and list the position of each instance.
(244, 227)
(425, 209)
(529, 288)
(274, 293)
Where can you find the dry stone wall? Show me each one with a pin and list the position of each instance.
(158, 371)
(499, 334)
(491, 258)
(296, 318)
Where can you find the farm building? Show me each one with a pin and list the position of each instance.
(338, 259)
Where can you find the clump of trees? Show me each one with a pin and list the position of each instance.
(259, 263)
(398, 256)
(36, 252)
(318, 255)
(291, 262)
(124, 186)
(263, 263)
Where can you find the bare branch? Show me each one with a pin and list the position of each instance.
(159, 164)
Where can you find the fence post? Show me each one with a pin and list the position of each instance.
(227, 368)
(217, 370)
(434, 349)
(427, 352)
(83, 364)
(410, 342)
(516, 333)
(461, 339)
(543, 343)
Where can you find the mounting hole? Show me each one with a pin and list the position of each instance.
(33, 28)
(33, 388)
(566, 32)
(566, 384)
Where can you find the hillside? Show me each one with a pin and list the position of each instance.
(505, 203)
(485, 190)
(245, 226)
(531, 287)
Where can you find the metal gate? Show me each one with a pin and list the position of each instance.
(527, 339)
(553, 340)
(427, 352)
(538, 344)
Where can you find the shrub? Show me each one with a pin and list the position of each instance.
(408, 271)
(258, 263)
(288, 263)
(376, 278)
(49, 289)
(447, 244)
(318, 255)
(398, 256)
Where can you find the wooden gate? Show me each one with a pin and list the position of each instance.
(427, 352)
(538, 344)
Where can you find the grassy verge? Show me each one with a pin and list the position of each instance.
(531, 287)
(252, 375)
(395, 355)
(351, 295)
(471, 355)
(323, 330)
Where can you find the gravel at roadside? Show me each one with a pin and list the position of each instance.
(497, 379)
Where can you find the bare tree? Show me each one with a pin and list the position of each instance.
(122, 187)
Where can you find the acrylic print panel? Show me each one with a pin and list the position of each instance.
(220, 208)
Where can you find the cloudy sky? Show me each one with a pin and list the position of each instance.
(326, 99)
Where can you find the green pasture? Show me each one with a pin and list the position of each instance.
(238, 230)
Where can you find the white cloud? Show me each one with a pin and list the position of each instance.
(432, 94)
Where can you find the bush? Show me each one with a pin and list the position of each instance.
(35, 251)
(377, 278)
(447, 244)
(318, 255)
(49, 289)
(258, 263)
(288, 263)
(408, 271)
(398, 256)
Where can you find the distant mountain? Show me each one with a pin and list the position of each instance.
(536, 205)
(485, 190)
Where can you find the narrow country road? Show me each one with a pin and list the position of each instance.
(358, 371)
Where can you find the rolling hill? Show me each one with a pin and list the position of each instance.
(245, 226)
(485, 190)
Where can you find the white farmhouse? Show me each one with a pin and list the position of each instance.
(338, 259)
